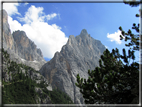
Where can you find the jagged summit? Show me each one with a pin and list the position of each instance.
(20, 33)
(83, 32)
(82, 37)
(70, 40)
(81, 53)
(26, 48)
(19, 46)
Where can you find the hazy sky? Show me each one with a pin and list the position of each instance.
(50, 24)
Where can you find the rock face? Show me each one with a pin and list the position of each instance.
(80, 54)
(8, 41)
(20, 47)
(26, 48)
(41, 98)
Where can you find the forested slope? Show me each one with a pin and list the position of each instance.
(22, 84)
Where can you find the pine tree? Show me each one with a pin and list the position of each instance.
(117, 76)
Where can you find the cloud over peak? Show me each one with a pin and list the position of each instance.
(48, 37)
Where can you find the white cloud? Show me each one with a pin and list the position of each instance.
(51, 16)
(55, 26)
(36, 14)
(11, 8)
(33, 15)
(115, 37)
(49, 38)
(14, 24)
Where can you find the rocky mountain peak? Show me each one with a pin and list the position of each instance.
(27, 48)
(80, 54)
(71, 36)
(70, 40)
(83, 37)
(84, 32)
(19, 46)
(21, 38)
(8, 42)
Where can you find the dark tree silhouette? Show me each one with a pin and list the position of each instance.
(116, 80)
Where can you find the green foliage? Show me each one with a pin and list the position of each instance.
(133, 3)
(59, 97)
(21, 89)
(19, 92)
(109, 83)
(113, 81)
(133, 38)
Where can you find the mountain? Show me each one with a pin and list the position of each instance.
(22, 83)
(26, 48)
(20, 47)
(20, 56)
(80, 54)
(8, 41)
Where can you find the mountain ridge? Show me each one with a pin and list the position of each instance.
(78, 55)
(21, 81)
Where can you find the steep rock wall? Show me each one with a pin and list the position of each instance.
(80, 54)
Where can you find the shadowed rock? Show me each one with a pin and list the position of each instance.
(80, 54)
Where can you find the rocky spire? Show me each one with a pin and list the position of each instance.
(26, 48)
(83, 32)
(19, 46)
(77, 56)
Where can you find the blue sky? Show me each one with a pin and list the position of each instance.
(50, 24)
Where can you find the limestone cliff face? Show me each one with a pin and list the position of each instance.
(26, 48)
(80, 54)
(20, 47)
(8, 41)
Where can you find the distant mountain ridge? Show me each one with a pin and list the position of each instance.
(80, 54)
